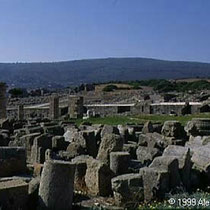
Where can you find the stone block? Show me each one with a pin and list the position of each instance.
(80, 171)
(171, 165)
(56, 185)
(146, 154)
(98, 178)
(155, 183)
(13, 195)
(184, 159)
(109, 143)
(119, 162)
(128, 190)
(12, 161)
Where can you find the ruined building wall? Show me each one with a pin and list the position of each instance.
(195, 109)
(20, 112)
(29, 113)
(75, 107)
(167, 109)
(171, 109)
(54, 107)
(141, 108)
(3, 100)
(103, 111)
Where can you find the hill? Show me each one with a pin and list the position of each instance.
(62, 74)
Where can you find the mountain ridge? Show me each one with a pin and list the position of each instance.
(65, 73)
(106, 58)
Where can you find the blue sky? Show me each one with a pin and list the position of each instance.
(54, 30)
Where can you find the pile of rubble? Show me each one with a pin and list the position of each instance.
(57, 165)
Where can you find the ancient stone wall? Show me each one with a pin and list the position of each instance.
(54, 107)
(3, 100)
(75, 109)
(141, 108)
(195, 109)
(103, 111)
(167, 109)
(75, 106)
(20, 112)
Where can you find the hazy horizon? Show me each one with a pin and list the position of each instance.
(102, 58)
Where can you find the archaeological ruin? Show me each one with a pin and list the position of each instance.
(54, 107)
(3, 102)
(48, 162)
(75, 108)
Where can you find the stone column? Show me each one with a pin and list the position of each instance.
(20, 112)
(75, 106)
(56, 185)
(3, 101)
(54, 107)
(119, 162)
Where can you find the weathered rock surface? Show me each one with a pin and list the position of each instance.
(155, 183)
(13, 194)
(12, 161)
(198, 126)
(119, 162)
(80, 163)
(146, 154)
(152, 140)
(108, 129)
(75, 149)
(184, 159)
(98, 178)
(173, 129)
(56, 185)
(148, 128)
(128, 190)
(171, 165)
(109, 143)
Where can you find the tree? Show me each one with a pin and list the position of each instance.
(16, 92)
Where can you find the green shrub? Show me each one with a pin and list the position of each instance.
(110, 88)
(16, 92)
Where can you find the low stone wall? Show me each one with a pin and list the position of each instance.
(29, 113)
(103, 111)
(116, 109)
(34, 112)
(168, 109)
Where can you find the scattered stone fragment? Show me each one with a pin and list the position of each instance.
(109, 143)
(98, 178)
(75, 149)
(152, 140)
(171, 165)
(148, 127)
(128, 190)
(131, 147)
(80, 171)
(198, 126)
(172, 129)
(146, 154)
(119, 162)
(56, 185)
(184, 159)
(108, 129)
(12, 161)
(155, 183)
(13, 194)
